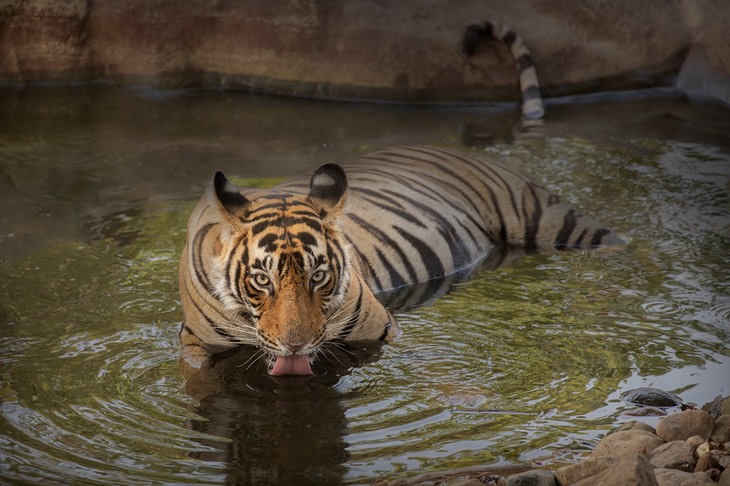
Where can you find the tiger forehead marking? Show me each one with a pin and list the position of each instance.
(290, 229)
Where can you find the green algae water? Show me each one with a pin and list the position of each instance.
(524, 363)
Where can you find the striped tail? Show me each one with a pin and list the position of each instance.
(532, 107)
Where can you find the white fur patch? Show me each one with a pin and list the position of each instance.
(324, 180)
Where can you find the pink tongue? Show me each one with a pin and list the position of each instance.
(291, 365)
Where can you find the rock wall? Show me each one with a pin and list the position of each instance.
(365, 49)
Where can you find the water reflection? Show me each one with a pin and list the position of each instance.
(281, 430)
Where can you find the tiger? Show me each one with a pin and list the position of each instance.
(307, 262)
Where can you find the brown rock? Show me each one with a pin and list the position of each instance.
(626, 443)
(674, 477)
(684, 425)
(722, 458)
(633, 424)
(721, 432)
(714, 474)
(645, 412)
(590, 467)
(695, 441)
(674, 455)
(724, 478)
(634, 469)
(718, 407)
(535, 477)
(705, 463)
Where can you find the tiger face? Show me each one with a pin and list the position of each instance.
(281, 269)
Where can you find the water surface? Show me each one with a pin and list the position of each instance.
(522, 364)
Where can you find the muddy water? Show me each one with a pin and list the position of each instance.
(523, 363)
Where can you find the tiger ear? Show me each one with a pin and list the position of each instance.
(328, 190)
(229, 199)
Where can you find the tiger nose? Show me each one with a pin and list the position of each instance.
(293, 347)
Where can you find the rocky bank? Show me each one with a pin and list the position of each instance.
(689, 448)
(366, 49)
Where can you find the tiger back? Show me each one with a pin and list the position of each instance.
(302, 264)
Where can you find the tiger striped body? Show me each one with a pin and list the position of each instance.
(294, 267)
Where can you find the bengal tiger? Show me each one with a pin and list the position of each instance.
(302, 264)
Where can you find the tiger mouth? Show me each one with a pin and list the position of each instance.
(295, 364)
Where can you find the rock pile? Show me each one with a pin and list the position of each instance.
(689, 448)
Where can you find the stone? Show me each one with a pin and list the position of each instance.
(721, 431)
(674, 455)
(536, 477)
(590, 467)
(683, 425)
(695, 441)
(718, 407)
(724, 478)
(467, 482)
(674, 477)
(626, 443)
(651, 397)
(714, 474)
(634, 424)
(705, 463)
(722, 458)
(631, 470)
(645, 412)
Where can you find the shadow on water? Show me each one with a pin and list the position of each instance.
(281, 430)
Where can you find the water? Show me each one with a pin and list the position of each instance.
(522, 364)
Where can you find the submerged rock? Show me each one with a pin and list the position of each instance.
(651, 397)
(536, 477)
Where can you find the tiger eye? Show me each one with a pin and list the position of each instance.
(261, 279)
(318, 276)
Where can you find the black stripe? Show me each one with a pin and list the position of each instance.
(213, 325)
(509, 38)
(380, 235)
(429, 191)
(479, 165)
(353, 318)
(532, 220)
(582, 235)
(459, 252)
(531, 92)
(441, 182)
(598, 236)
(433, 264)
(524, 62)
(198, 268)
(396, 279)
(561, 240)
(396, 208)
(446, 157)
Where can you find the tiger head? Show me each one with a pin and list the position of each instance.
(282, 270)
